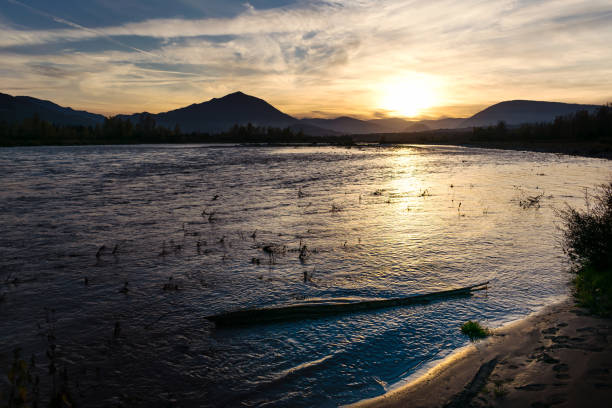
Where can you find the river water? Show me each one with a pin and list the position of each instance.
(185, 227)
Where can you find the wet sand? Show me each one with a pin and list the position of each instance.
(560, 357)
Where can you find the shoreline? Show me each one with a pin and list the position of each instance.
(594, 151)
(557, 356)
(589, 150)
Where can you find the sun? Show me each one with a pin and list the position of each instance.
(407, 96)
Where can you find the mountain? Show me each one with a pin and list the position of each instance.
(312, 130)
(219, 114)
(444, 123)
(346, 125)
(17, 108)
(433, 124)
(417, 127)
(520, 111)
(397, 125)
(392, 124)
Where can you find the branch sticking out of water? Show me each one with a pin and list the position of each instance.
(531, 201)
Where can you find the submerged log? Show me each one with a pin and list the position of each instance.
(319, 309)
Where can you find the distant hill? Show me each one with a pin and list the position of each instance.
(220, 114)
(397, 125)
(444, 123)
(312, 130)
(346, 125)
(518, 112)
(17, 108)
(417, 127)
(392, 124)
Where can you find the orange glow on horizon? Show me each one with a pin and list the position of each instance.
(409, 96)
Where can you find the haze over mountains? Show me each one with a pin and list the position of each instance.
(220, 114)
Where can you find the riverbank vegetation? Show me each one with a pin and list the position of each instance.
(36, 132)
(474, 330)
(582, 133)
(587, 240)
(582, 125)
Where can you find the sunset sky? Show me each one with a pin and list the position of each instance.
(366, 58)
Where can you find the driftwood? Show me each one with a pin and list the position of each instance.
(331, 307)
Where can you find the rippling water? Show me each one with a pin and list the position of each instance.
(377, 223)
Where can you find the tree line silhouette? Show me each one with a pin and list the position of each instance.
(116, 130)
(579, 126)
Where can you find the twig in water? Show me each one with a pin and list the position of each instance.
(124, 289)
(303, 253)
(531, 201)
(163, 251)
(170, 285)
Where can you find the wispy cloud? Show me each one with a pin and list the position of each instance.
(91, 33)
(331, 55)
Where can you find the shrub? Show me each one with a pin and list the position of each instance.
(587, 240)
(474, 330)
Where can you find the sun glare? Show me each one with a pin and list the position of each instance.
(407, 96)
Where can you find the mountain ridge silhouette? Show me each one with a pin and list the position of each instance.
(237, 108)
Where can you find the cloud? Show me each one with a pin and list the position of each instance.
(334, 55)
(92, 33)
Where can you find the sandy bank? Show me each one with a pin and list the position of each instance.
(559, 357)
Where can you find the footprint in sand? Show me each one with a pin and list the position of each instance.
(531, 387)
(548, 359)
(556, 399)
(587, 329)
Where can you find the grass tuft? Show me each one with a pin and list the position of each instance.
(474, 330)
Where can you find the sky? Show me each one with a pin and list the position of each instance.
(309, 58)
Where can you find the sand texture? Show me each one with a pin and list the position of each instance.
(560, 357)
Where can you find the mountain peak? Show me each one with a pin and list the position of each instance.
(219, 114)
(237, 96)
(237, 93)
